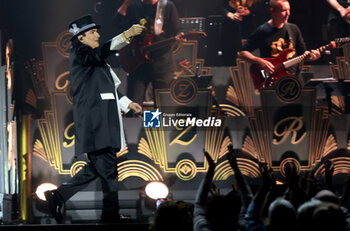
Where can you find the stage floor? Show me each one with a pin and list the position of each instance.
(77, 227)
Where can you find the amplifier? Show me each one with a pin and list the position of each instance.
(192, 24)
(214, 29)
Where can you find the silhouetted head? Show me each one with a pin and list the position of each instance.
(305, 214)
(329, 216)
(282, 215)
(169, 216)
(223, 211)
(327, 196)
(187, 212)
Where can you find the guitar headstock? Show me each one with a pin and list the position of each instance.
(334, 44)
(340, 41)
(194, 35)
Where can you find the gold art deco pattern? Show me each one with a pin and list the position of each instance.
(341, 166)
(155, 149)
(257, 143)
(49, 147)
(341, 69)
(241, 93)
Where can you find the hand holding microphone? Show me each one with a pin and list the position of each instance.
(133, 31)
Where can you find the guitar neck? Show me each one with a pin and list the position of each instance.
(342, 40)
(159, 44)
(300, 58)
(170, 41)
(294, 61)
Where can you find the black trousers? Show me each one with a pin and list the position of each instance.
(103, 165)
(139, 80)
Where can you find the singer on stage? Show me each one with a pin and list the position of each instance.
(161, 21)
(97, 118)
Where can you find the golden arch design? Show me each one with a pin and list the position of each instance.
(341, 165)
(231, 110)
(39, 150)
(139, 169)
(289, 160)
(247, 167)
(76, 167)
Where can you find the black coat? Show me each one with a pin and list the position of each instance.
(96, 120)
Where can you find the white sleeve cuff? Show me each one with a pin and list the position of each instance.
(124, 104)
(118, 42)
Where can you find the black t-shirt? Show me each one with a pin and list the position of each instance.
(272, 41)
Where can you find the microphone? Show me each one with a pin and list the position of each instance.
(143, 22)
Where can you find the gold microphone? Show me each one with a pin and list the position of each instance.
(143, 22)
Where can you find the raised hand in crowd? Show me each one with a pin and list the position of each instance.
(267, 184)
(272, 194)
(253, 216)
(211, 170)
(310, 184)
(329, 170)
(239, 184)
(216, 212)
(294, 192)
(346, 191)
(291, 173)
(214, 191)
(232, 158)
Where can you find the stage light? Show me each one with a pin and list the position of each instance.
(43, 188)
(156, 190)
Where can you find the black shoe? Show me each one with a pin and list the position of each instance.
(55, 204)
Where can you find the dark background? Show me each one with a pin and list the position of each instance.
(31, 22)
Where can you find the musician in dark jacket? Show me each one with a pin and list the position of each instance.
(97, 118)
(274, 36)
(237, 23)
(338, 23)
(159, 69)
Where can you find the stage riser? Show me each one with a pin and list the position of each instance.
(92, 227)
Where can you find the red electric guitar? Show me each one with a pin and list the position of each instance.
(137, 52)
(261, 79)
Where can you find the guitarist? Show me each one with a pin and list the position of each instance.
(160, 69)
(274, 36)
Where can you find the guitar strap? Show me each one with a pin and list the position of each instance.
(290, 34)
(159, 19)
(294, 69)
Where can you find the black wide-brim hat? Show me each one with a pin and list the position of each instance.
(81, 25)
